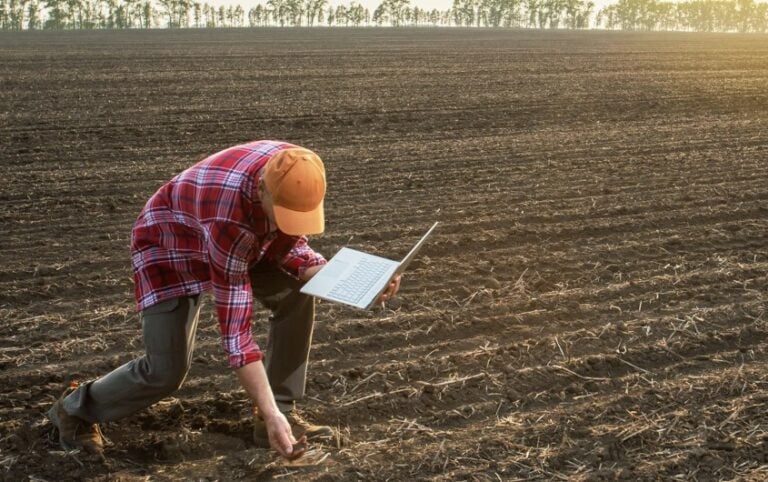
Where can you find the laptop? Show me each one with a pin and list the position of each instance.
(357, 279)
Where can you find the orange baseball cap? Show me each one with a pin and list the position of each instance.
(295, 179)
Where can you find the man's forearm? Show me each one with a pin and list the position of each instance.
(253, 378)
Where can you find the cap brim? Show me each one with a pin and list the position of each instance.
(297, 223)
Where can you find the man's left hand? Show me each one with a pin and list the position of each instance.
(391, 290)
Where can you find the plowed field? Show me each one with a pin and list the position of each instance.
(592, 306)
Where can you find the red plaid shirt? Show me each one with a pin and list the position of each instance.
(204, 230)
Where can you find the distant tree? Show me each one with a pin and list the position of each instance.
(552, 13)
(279, 11)
(434, 17)
(209, 14)
(4, 24)
(262, 15)
(341, 15)
(406, 16)
(33, 15)
(108, 13)
(744, 10)
(514, 14)
(531, 8)
(575, 13)
(355, 14)
(665, 12)
(129, 14)
(582, 20)
(295, 12)
(177, 12)
(185, 7)
(90, 14)
(604, 18)
(292, 9)
(456, 14)
(398, 10)
(313, 10)
(445, 17)
(16, 14)
(464, 12)
(118, 17)
(380, 15)
(417, 16)
(319, 8)
(57, 18)
(75, 13)
(759, 22)
(497, 13)
(308, 10)
(489, 13)
(147, 15)
(169, 8)
(481, 12)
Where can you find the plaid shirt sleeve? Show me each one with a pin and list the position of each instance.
(293, 255)
(301, 257)
(228, 249)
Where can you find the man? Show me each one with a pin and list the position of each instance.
(235, 224)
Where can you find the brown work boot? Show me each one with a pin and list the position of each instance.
(74, 432)
(299, 426)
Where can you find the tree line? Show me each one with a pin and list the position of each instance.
(647, 15)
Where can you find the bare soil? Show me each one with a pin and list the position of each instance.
(593, 306)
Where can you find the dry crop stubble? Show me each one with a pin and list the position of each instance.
(592, 307)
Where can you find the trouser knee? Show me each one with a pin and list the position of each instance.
(165, 373)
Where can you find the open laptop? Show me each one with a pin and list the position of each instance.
(357, 279)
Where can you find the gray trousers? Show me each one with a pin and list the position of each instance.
(169, 329)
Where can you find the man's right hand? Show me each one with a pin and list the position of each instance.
(254, 379)
(280, 436)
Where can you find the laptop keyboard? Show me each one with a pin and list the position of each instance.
(365, 275)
